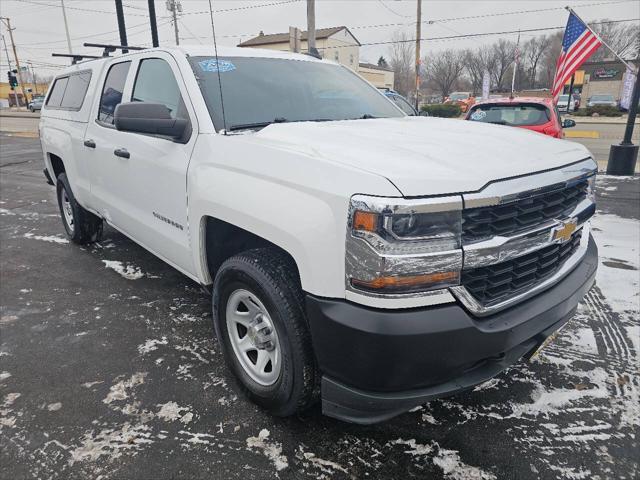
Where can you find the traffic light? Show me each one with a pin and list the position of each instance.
(13, 80)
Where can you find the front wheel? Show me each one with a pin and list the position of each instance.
(258, 314)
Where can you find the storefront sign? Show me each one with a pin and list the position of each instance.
(604, 73)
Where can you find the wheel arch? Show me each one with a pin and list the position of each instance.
(221, 240)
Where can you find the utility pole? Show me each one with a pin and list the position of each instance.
(15, 94)
(7, 23)
(418, 33)
(311, 28)
(66, 25)
(174, 6)
(121, 26)
(154, 24)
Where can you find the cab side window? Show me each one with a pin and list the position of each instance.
(155, 83)
(112, 91)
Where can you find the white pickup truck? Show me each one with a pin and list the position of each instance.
(353, 253)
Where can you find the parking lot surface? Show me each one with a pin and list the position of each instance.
(109, 369)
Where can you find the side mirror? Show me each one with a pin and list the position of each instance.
(150, 118)
(568, 123)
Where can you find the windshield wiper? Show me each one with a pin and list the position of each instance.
(498, 122)
(367, 116)
(245, 126)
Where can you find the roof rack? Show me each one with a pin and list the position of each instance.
(75, 57)
(112, 48)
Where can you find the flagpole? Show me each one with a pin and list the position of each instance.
(599, 38)
(515, 65)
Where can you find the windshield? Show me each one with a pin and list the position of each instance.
(261, 91)
(458, 96)
(514, 115)
(602, 98)
(563, 98)
(403, 104)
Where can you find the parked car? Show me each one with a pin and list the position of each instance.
(354, 254)
(36, 103)
(531, 113)
(563, 104)
(464, 99)
(399, 101)
(602, 100)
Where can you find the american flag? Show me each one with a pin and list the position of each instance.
(578, 44)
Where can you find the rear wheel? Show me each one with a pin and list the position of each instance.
(80, 225)
(258, 313)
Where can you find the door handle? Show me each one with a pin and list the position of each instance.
(121, 152)
(90, 143)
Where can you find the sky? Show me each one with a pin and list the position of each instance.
(39, 27)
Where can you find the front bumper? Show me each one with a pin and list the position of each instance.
(379, 363)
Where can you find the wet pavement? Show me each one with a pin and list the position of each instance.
(109, 369)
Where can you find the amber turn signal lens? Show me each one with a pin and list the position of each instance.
(407, 283)
(366, 221)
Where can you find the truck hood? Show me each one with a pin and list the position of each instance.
(425, 155)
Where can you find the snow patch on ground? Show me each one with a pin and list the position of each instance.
(130, 272)
(4, 375)
(46, 238)
(54, 407)
(119, 390)
(618, 238)
(151, 344)
(171, 411)
(271, 450)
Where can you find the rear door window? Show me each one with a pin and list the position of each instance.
(76, 90)
(112, 91)
(57, 92)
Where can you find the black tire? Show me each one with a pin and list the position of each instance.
(85, 226)
(32, 110)
(272, 277)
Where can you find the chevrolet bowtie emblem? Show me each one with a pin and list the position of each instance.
(563, 232)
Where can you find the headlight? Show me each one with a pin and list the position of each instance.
(397, 246)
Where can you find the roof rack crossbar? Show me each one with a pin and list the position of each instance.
(75, 57)
(111, 48)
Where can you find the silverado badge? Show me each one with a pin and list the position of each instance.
(563, 232)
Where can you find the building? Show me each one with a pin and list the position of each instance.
(595, 78)
(335, 43)
(7, 94)
(381, 77)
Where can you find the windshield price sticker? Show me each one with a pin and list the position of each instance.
(213, 65)
(478, 115)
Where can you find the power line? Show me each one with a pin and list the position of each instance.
(486, 34)
(486, 15)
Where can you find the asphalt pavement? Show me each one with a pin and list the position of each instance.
(109, 369)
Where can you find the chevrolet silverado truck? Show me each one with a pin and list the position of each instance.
(354, 254)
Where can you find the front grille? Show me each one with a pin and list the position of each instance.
(497, 282)
(485, 222)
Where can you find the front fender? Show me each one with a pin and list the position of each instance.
(294, 201)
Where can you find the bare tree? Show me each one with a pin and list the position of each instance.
(624, 38)
(476, 62)
(401, 61)
(533, 52)
(444, 68)
(503, 56)
(549, 60)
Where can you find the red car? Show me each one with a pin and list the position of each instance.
(532, 113)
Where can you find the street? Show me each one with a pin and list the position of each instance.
(109, 368)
